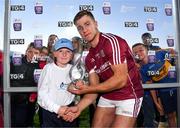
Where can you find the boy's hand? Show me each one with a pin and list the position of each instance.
(71, 113)
(61, 111)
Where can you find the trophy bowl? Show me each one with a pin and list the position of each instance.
(77, 71)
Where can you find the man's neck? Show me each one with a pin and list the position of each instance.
(95, 41)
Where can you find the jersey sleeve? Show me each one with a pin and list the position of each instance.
(116, 50)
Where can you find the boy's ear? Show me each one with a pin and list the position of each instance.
(54, 53)
(72, 56)
(96, 23)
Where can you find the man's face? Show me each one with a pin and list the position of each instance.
(87, 28)
(140, 52)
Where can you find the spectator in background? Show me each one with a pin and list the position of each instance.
(78, 48)
(51, 39)
(77, 44)
(159, 70)
(147, 114)
(148, 41)
(44, 57)
(44, 51)
(22, 75)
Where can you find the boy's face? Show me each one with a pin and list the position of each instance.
(31, 52)
(147, 41)
(87, 28)
(140, 51)
(63, 56)
(44, 52)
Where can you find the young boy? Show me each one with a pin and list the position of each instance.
(53, 97)
(161, 66)
(22, 75)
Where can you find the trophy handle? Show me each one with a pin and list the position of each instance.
(78, 67)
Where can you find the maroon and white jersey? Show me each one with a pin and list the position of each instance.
(113, 50)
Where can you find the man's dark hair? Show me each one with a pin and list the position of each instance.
(81, 14)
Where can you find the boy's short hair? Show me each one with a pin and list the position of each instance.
(137, 44)
(44, 47)
(32, 45)
(146, 35)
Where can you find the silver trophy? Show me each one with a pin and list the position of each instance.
(77, 71)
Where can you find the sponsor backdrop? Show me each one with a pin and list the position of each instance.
(35, 20)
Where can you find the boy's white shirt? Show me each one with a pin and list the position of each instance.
(50, 96)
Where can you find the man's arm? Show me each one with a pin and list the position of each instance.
(117, 81)
(89, 98)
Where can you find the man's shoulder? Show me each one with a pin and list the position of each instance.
(110, 39)
(110, 36)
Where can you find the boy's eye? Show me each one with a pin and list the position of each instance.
(30, 52)
(68, 51)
